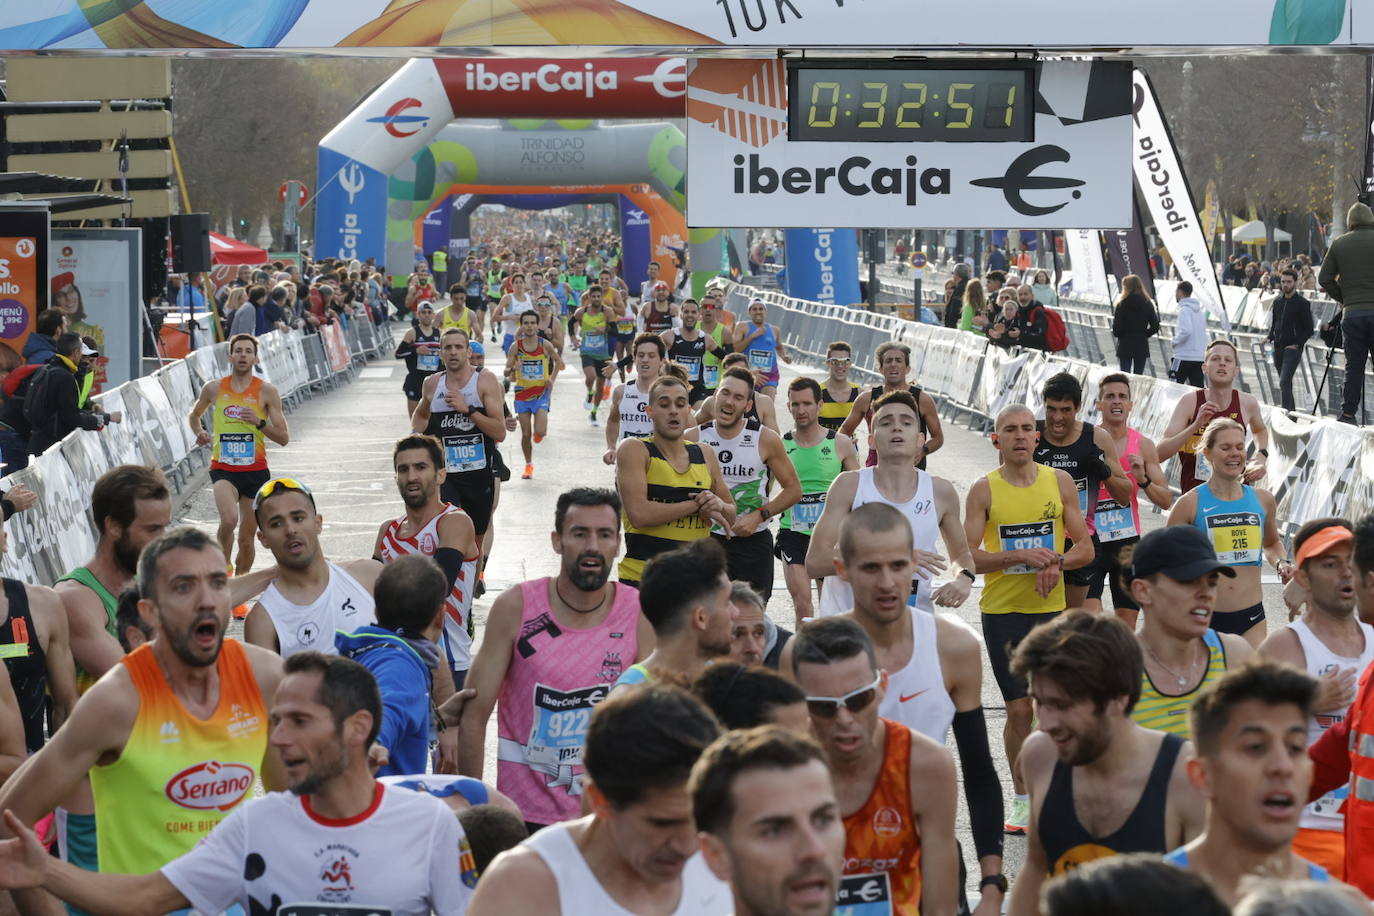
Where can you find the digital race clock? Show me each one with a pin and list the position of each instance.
(889, 101)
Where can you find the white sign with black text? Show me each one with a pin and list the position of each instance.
(742, 170)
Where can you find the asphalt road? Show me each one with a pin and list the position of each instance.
(341, 447)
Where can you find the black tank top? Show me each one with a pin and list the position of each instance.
(27, 666)
(1068, 844)
(689, 354)
(1080, 459)
(412, 358)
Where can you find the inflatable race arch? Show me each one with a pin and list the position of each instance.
(374, 165)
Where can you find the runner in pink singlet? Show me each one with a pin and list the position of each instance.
(547, 699)
(1117, 526)
(551, 649)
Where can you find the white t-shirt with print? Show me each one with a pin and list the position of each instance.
(406, 854)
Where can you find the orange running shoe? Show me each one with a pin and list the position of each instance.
(529, 472)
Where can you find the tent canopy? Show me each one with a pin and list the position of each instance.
(229, 251)
(1253, 231)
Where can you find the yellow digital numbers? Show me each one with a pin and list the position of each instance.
(834, 103)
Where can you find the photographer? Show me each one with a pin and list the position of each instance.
(1347, 275)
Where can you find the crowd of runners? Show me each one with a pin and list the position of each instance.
(663, 745)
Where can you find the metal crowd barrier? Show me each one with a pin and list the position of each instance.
(1316, 466)
(58, 533)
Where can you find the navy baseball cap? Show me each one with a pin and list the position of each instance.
(1181, 552)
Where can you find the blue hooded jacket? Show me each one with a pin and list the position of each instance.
(403, 677)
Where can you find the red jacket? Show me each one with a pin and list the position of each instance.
(1344, 754)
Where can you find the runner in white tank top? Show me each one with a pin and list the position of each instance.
(580, 893)
(916, 694)
(458, 606)
(836, 596)
(1324, 813)
(343, 605)
(634, 412)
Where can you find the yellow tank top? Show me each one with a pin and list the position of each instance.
(178, 776)
(833, 413)
(464, 321)
(1020, 518)
(234, 425)
(666, 485)
(1167, 713)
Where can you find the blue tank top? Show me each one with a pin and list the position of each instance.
(763, 352)
(1235, 528)
(560, 292)
(1315, 872)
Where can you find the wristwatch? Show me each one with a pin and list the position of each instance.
(1145, 482)
(997, 881)
(262, 424)
(972, 577)
(764, 513)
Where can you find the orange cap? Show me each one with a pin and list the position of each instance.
(1322, 541)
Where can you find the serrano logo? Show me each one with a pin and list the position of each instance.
(210, 786)
(1019, 178)
(394, 117)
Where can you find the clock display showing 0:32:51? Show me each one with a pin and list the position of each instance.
(861, 104)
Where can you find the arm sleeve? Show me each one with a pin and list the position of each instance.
(7, 506)
(210, 876)
(404, 349)
(450, 560)
(981, 786)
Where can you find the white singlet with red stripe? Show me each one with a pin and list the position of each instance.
(459, 604)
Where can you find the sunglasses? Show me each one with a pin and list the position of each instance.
(280, 483)
(838, 362)
(856, 701)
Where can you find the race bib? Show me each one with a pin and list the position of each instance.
(559, 728)
(465, 453)
(864, 895)
(1330, 804)
(712, 376)
(427, 362)
(1237, 537)
(693, 366)
(1025, 537)
(237, 449)
(761, 359)
(594, 343)
(532, 370)
(1113, 521)
(625, 326)
(807, 512)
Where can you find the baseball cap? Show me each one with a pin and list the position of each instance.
(1322, 541)
(426, 305)
(62, 281)
(476, 349)
(88, 350)
(1181, 552)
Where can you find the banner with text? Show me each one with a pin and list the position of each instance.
(913, 145)
(1159, 175)
(822, 265)
(1128, 253)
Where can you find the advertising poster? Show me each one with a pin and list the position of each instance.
(24, 257)
(96, 276)
(18, 289)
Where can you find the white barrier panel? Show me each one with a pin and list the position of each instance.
(1316, 467)
(58, 533)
